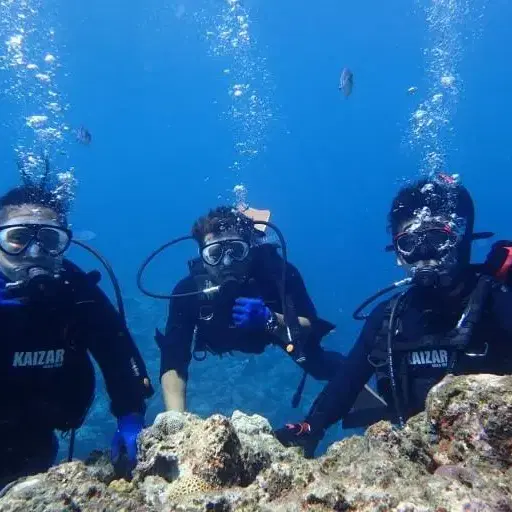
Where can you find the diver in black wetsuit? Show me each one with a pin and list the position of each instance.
(246, 313)
(52, 315)
(454, 318)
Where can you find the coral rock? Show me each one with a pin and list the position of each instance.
(456, 456)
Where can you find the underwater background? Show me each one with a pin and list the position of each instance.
(192, 104)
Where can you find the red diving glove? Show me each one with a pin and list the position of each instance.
(499, 261)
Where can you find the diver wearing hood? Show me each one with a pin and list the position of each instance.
(245, 312)
(52, 316)
(455, 318)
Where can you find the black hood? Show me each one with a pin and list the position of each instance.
(442, 197)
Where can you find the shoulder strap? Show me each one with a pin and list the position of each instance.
(459, 337)
(202, 281)
(379, 354)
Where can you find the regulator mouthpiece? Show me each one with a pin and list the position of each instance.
(37, 283)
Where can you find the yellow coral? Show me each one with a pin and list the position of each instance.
(121, 486)
(187, 486)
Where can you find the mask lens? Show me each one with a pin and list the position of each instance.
(53, 240)
(238, 249)
(438, 238)
(426, 244)
(14, 240)
(212, 254)
(407, 242)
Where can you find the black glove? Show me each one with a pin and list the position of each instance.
(300, 434)
(499, 261)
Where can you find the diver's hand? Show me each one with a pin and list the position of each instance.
(251, 313)
(124, 444)
(300, 434)
(499, 261)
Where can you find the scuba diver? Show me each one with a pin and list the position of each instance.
(52, 315)
(453, 318)
(240, 295)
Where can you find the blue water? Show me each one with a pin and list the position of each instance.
(143, 80)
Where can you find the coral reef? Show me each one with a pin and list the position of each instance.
(456, 456)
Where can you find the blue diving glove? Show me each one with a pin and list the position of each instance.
(5, 301)
(125, 439)
(251, 313)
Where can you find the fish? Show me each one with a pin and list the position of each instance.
(83, 135)
(346, 82)
(84, 235)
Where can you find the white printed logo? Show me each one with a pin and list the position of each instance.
(433, 358)
(41, 358)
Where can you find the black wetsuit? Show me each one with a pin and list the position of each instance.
(47, 377)
(422, 354)
(215, 333)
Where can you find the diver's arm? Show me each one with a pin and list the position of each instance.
(176, 347)
(176, 354)
(282, 332)
(174, 390)
(336, 399)
(113, 348)
(339, 395)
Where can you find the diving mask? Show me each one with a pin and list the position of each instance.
(33, 258)
(426, 244)
(17, 238)
(214, 253)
